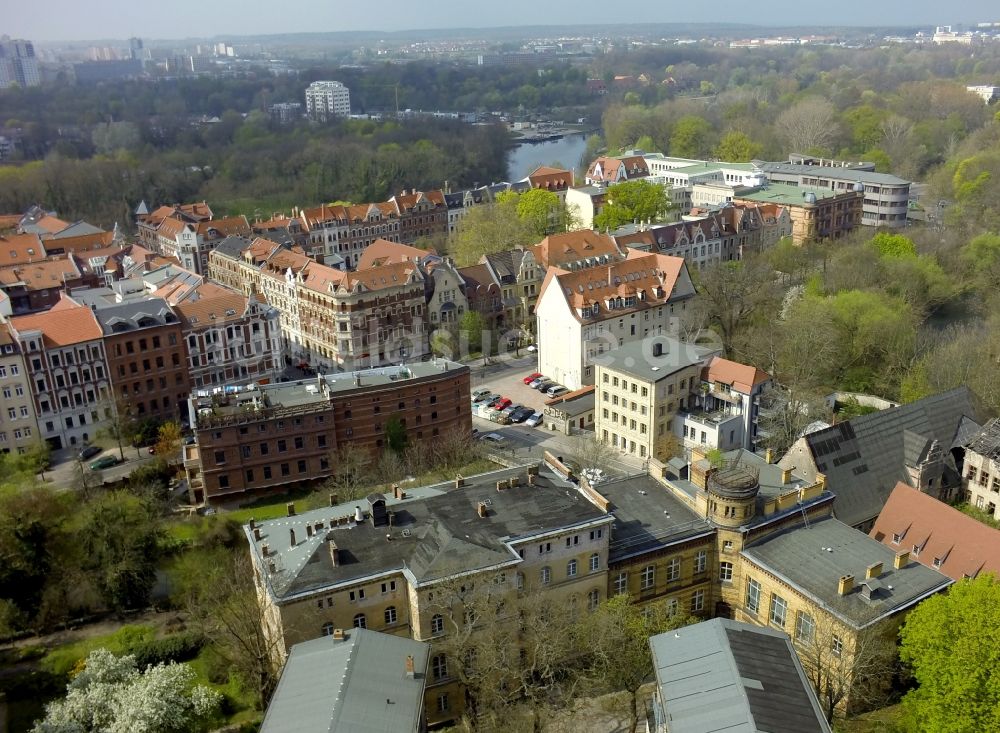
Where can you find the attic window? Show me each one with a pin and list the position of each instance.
(230, 312)
(896, 538)
(31, 250)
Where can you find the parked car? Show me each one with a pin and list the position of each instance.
(495, 438)
(554, 389)
(104, 462)
(521, 414)
(503, 403)
(509, 410)
(531, 377)
(532, 349)
(89, 452)
(479, 394)
(492, 400)
(537, 384)
(535, 420)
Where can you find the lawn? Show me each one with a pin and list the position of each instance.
(884, 720)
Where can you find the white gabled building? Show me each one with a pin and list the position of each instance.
(585, 312)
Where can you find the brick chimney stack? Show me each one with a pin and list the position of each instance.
(410, 672)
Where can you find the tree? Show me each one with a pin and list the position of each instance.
(808, 127)
(668, 446)
(168, 441)
(784, 416)
(218, 591)
(112, 695)
(490, 228)
(736, 147)
(847, 668)
(473, 327)
(591, 452)
(690, 138)
(541, 210)
(734, 292)
(395, 434)
(616, 637)
(119, 544)
(351, 464)
(37, 458)
(628, 201)
(119, 423)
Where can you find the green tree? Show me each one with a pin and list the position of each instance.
(736, 147)
(733, 294)
(119, 546)
(628, 201)
(893, 245)
(472, 325)
(690, 138)
(490, 228)
(948, 642)
(541, 210)
(395, 434)
(119, 423)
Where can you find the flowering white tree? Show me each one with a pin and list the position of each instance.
(112, 696)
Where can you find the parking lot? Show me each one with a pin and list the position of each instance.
(509, 382)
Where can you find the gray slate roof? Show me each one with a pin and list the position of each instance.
(436, 531)
(722, 675)
(126, 316)
(636, 358)
(864, 458)
(358, 684)
(813, 559)
(232, 246)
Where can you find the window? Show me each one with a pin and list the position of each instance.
(837, 644)
(519, 581)
(805, 628)
(442, 702)
(727, 546)
(544, 547)
(753, 595)
(390, 615)
(437, 624)
(779, 609)
(621, 584)
(937, 562)
(388, 587)
(700, 561)
(360, 622)
(327, 627)
(546, 575)
(674, 569)
(593, 599)
(726, 572)
(439, 666)
(648, 577)
(896, 538)
(596, 534)
(357, 595)
(697, 601)
(595, 562)
(282, 446)
(571, 569)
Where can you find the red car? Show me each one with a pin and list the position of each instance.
(503, 404)
(531, 378)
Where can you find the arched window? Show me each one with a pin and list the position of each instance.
(437, 624)
(360, 622)
(439, 666)
(593, 599)
(546, 575)
(328, 629)
(595, 562)
(571, 568)
(390, 615)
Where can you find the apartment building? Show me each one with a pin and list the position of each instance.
(583, 313)
(885, 200)
(147, 358)
(981, 471)
(64, 352)
(346, 231)
(18, 64)
(421, 214)
(260, 438)
(327, 99)
(18, 421)
(640, 389)
(398, 563)
(190, 243)
(229, 338)
(817, 214)
(148, 222)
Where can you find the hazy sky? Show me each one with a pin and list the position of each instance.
(93, 19)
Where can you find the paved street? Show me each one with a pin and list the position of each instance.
(62, 473)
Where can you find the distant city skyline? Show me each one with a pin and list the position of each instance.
(71, 20)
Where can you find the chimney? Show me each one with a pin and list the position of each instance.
(769, 455)
(338, 634)
(873, 571)
(253, 523)
(333, 500)
(409, 667)
(291, 535)
(397, 492)
(901, 560)
(846, 584)
(531, 479)
(359, 516)
(265, 550)
(501, 485)
(272, 568)
(334, 553)
(786, 476)
(482, 509)
(459, 481)
(290, 506)
(256, 533)
(657, 349)
(309, 530)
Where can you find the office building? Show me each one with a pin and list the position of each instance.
(327, 99)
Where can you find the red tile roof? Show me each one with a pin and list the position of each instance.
(210, 304)
(962, 546)
(552, 179)
(66, 323)
(559, 249)
(41, 275)
(382, 252)
(16, 249)
(742, 377)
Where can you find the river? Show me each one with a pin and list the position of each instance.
(566, 151)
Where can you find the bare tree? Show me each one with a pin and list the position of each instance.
(734, 293)
(848, 671)
(808, 126)
(784, 416)
(351, 471)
